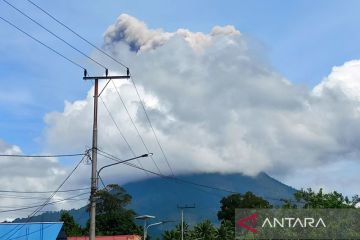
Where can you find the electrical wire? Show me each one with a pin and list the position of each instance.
(114, 158)
(21, 197)
(121, 133)
(134, 125)
(150, 124)
(43, 44)
(46, 202)
(42, 156)
(183, 181)
(55, 35)
(77, 34)
(120, 63)
(32, 192)
(49, 203)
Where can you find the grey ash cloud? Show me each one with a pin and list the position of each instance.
(217, 106)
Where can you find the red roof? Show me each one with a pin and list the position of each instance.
(119, 237)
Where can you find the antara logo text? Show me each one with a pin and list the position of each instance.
(291, 222)
(250, 222)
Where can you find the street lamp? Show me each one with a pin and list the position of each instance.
(146, 229)
(124, 161)
(145, 218)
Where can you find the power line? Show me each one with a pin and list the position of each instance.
(55, 35)
(46, 202)
(74, 32)
(49, 203)
(133, 123)
(117, 61)
(114, 158)
(42, 156)
(122, 135)
(117, 127)
(32, 192)
(151, 126)
(184, 181)
(45, 45)
(21, 197)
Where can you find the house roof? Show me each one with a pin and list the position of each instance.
(30, 230)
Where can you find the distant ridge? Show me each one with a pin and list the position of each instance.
(159, 197)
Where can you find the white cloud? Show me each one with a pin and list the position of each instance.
(31, 174)
(216, 106)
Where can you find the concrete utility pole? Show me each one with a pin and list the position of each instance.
(182, 217)
(94, 148)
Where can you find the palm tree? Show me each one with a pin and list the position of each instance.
(204, 230)
(225, 231)
(171, 235)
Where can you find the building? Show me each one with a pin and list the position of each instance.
(119, 237)
(32, 231)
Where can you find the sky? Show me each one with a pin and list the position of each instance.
(230, 86)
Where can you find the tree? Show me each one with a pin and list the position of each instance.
(225, 231)
(203, 230)
(233, 201)
(112, 216)
(310, 199)
(175, 234)
(171, 235)
(71, 228)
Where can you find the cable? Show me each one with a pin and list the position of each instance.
(179, 180)
(151, 126)
(110, 156)
(102, 181)
(47, 201)
(42, 156)
(121, 133)
(73, 31)
(133, 123)
(48, 47)
(32, 192)
(21, 197)
(55, 35)
(114, 59)
(117, 61)
(29, 233)
(117, 127)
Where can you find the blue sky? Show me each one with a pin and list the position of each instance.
(302, 40)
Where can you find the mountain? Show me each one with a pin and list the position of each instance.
(160, 197)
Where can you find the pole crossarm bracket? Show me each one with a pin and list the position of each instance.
(106, 77)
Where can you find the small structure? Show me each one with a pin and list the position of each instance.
(32, 231)
(119, 237)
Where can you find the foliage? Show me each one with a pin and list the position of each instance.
(203, 230)
(225, 231)
(112, 216)
(175, 234)
(233, 201)
(310, 199)
(171, 235)
(71, 228)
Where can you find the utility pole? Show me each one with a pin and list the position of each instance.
(182, 207)
(94, 148)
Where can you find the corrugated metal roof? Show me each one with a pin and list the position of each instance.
(30, 231)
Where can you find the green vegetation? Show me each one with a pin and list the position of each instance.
(71, 228)
(114, 218)
(310, 199)
(233, 201)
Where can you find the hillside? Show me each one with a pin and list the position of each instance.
(160, 197)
